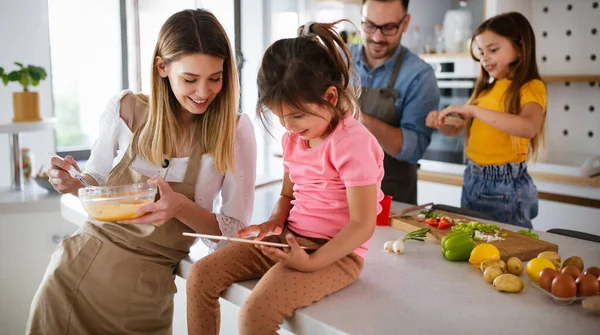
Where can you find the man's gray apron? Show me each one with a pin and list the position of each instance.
(400, 179)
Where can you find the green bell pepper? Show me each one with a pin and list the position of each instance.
(457, 246)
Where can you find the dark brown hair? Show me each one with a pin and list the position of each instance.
(297, 71)
(517, 29)
(404, 3)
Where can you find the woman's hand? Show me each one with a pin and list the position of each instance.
(60, 179)
(296, 258)
(164, 209)
(263, 229)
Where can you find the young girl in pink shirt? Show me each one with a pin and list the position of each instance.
(329, 199)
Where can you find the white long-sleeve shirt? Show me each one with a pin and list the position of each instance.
(236, 188)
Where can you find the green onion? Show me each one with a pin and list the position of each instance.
(529, 233)
(417, 235)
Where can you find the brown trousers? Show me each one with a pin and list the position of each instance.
(276, 296)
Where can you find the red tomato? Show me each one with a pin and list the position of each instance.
(444, 223)
(432, 222)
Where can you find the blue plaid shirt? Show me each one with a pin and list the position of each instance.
(419, 95)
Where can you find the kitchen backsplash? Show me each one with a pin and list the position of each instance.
(568, 49)
(573, 122)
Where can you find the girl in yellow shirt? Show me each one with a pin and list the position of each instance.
(504, 121)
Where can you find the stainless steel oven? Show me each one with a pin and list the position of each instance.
(456, 78)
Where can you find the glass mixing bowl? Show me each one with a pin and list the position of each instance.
(113, 203)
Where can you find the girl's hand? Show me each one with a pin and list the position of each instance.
(464, 112)
(296, 258)
(263, 230)
(60, 179)
(164, 209)
(432, 120)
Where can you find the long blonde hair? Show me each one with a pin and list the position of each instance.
(517, 29)
(188, 32)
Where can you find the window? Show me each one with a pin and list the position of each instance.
(95, 56)
(152, 15)
(85, 50)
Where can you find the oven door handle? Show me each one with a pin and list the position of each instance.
(455, 84)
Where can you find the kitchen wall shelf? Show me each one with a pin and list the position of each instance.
(573, 78)
(13, 129)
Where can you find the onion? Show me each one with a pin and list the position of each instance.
(388, 246)
(398, 246)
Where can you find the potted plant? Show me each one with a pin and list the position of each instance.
(26, 104)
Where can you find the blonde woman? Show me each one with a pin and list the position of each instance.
(189, 139)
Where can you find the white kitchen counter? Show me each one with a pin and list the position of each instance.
(418, 292)
(589, 192)
(32, 199)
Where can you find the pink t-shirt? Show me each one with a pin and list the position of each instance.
(349, 157)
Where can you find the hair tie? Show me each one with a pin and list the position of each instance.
(304, 30)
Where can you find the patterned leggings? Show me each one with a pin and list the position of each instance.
(276, 296)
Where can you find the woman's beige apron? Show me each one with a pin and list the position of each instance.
(112, 278)
(400, 179)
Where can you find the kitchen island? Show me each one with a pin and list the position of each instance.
(418, 292)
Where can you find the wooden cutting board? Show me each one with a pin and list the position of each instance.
(514, 244)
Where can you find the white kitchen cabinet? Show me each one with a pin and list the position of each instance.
(566, 216)
(229, 313)
(28, 240)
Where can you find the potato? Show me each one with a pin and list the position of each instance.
(557, 265)
(550, 255)
(492, 262)
(514, 266)
(575, 261)
(553, 257)
(491, 273)
(508, 283)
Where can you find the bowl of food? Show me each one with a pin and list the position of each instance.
(114, 203)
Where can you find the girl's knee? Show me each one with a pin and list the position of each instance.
(198, 274)
(256, 319)
(255, 310)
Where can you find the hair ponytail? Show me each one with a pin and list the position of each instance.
(296, 71)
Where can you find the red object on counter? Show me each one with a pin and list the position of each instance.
(432, 222)
(444, 223)
(383, 218)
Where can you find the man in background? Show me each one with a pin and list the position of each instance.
(399, 90)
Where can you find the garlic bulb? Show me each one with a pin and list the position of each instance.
(398, 246)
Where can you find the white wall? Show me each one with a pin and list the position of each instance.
(495, 7)
(426, 14)
(24, 38)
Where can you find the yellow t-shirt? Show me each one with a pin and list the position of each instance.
(490, 146)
